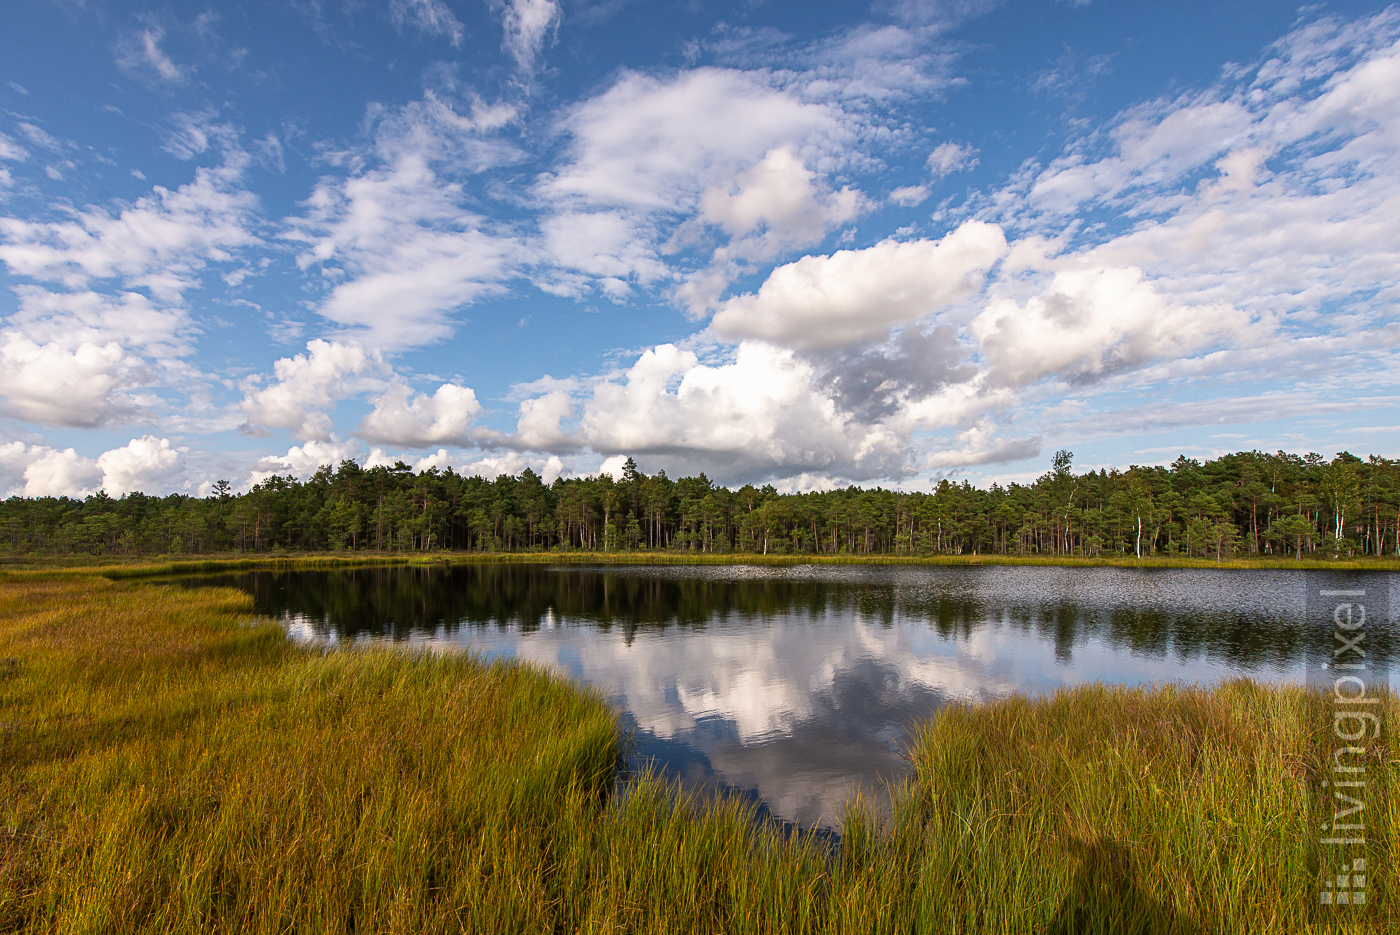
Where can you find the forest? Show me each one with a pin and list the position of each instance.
(1246, 503)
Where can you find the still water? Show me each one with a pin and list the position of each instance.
(792, 684)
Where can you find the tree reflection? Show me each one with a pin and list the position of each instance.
(399, 602)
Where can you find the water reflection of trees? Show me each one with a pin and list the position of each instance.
(401, 602)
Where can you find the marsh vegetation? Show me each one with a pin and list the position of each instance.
(173, 763)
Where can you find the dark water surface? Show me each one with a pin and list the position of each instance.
(794, 683)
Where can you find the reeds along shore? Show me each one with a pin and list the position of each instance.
(168, 763)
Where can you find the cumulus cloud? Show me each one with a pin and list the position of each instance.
(732, 166)
(301, 461)
(1090, 323)
(781, 198)
(538, 426)
(875, 383)
(417, 420)
(306, 385)
(770, 208)
(54, 473)
(856, 296)
(84, 387)
(756, 416)
(147, 464)
(489, 467)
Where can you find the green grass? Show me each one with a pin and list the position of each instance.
(166, 564)
(1070, 561)
(169, 763)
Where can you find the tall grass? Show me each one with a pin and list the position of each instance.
(1114, 810)
(169, 763)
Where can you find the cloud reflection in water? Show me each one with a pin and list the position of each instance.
(794, 683)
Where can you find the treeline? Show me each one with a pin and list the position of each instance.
(1244, 503)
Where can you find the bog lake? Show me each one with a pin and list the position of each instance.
(794, 684)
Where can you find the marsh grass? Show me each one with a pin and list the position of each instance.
(1065, 561)
(170, 763)
(151, 566)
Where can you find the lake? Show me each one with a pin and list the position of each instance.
(794, 683)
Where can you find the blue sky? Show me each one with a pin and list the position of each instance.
(810, 244)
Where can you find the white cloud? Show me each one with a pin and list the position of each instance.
(948, 158)
(538, 427)
(399, 235)
(780, 196)
(432, 17)
(909, 195)
(51, 384)
(605, 244)
(491, 467)
(613, 466)
(308, 384)
(158, 243)
(147, 464)
(11, 150)
(527, 24)
(738, 157)
(1153, 148)
(402, 417)
(1094, 322)
(87, 317)
(940, 14)
(856, 296)
(40, 137)
(768, 209)
(982, 443)
(194, 133)
(141, 54)
(757, 416)
(301, 461)
(53, 473)
(657, 144)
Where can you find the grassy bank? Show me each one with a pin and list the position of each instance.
(167, 564)
(168, 763)
(1066, 561)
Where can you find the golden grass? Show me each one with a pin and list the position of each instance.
(169, 763)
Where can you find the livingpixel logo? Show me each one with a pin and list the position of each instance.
(1355, 684)
(1349, 888)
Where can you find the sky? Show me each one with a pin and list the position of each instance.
(807, 244)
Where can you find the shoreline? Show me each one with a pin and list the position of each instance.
(142, 566)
